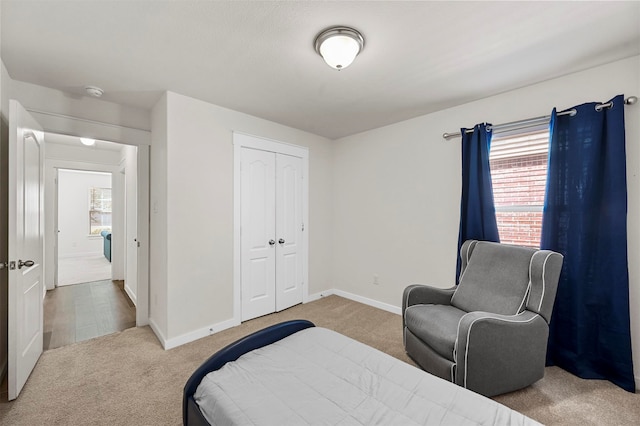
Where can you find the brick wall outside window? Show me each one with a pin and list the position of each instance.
(519, 178)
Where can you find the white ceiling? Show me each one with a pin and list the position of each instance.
(257, 56)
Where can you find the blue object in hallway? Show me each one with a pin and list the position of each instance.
(106, 236)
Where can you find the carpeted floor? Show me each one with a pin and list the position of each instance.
(127, 378)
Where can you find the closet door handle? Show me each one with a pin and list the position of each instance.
(281, 241)
(272, 242)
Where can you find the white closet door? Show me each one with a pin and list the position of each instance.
(288, 231)
(258, 245)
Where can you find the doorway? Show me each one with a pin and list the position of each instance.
(85, 218)
(91, 271)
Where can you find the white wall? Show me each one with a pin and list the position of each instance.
(73, 212)
(396, 189)
(82, 154)
(197, 205)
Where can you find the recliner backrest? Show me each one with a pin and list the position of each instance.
(546, 266)
(496, 279)
(465, 254)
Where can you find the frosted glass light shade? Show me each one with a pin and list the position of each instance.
(339, 46)
(87, 141)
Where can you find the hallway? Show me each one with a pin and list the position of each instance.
(83, 311)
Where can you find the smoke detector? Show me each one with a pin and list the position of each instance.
(94, 91)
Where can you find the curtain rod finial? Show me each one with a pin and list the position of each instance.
(631, 100)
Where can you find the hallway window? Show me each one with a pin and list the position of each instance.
(99, 210)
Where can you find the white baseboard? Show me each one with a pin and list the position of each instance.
(83, 254)
(158, 333)
(199, 334)
(356, 298)
(216, 328)
(318, 296)
(131, 294)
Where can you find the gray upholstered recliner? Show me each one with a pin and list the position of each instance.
(489, 333)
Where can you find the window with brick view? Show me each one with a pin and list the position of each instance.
(99, 210)
(519, 173)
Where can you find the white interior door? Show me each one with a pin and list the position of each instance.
(257, 222)
(288, 231)
(26, 248)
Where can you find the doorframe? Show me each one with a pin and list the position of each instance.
(142, 293)
(243, 140)
(56, 165)
(140, 138)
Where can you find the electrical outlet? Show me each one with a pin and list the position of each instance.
(376, 279)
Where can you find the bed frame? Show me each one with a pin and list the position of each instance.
(191, 414)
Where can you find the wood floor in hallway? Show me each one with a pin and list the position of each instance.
(83, 311)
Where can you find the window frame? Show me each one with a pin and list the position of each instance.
(519, 208)
(100, 209)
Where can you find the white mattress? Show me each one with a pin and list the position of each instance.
(319, 377)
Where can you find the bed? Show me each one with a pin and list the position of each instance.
(294, 373)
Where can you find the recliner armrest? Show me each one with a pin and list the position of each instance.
(418, 294)
(499, 353)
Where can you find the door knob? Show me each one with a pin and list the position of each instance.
(281, 241)
(272, 242)
(27, 263)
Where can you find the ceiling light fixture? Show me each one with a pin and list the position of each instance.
(88, 141)
(339, 46)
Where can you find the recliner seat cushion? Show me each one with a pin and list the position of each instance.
(495, 280)
(436, 325)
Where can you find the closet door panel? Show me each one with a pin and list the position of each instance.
(288, 231)
(258, 245)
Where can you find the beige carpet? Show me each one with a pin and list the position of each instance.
(83, 269)
(127, 378)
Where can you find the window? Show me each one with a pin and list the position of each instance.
(99, 210)
(519, 174)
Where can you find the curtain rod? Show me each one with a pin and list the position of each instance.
(530, 122)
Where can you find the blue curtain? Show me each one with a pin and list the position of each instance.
(585, 219)
(477, 211)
